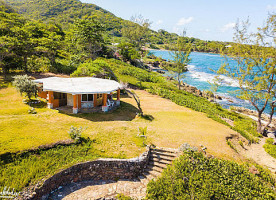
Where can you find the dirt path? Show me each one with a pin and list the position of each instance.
(257, 153)
(100, 189)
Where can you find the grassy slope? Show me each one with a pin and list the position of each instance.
(174, 125)
(20, 130)
(114, 132)
(270, 148)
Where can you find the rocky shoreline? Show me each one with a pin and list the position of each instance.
(159, 66)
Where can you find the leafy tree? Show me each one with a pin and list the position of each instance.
(9, 24)
(25, 85)
(255, 68)
(215, 84)
(137, 32)
(51, 43)
(98, 68)
(181, 58)
(89, 35)
(127, 51)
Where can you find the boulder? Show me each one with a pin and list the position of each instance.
(271, 135)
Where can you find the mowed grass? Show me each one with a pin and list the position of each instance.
(20, 130)
(115, 133)
(112, 134)
(174, 125)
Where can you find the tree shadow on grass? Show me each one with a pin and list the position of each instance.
(125, 112)
(148, 117)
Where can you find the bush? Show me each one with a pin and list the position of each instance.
(270, 147)
(194, 176)
(32, 111)
(75, 133)
(25, 85)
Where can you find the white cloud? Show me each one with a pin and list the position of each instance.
(159, 22)
(228, 26)
(184, 21)
(271, 7)
(176, 30)
(207, 30)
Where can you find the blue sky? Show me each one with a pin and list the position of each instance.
(204, 19)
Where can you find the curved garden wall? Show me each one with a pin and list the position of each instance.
(101, 169)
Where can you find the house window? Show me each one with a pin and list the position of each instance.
(87, 97)
(58, 95)
(99, 96)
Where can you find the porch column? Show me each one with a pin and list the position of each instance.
(118, 97)
(50, 103)
(79, 101)
(95, 100)
(104, 106)
(75, 104)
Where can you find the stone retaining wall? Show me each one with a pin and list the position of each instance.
(101, 169)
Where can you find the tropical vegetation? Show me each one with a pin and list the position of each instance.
(255, 68)
(80, 39)
(195, 176)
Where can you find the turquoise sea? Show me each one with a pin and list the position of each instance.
(201, 71)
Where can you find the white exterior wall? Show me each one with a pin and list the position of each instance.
(69, 99)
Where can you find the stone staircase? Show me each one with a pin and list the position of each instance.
(159, 158)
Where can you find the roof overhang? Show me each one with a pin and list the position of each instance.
(82, 85)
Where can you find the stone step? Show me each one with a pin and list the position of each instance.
(158, 164)
(162, 157)
(148, 175)
(164, 154)
(157, 160)
(153, 172)
(143, 180)
(154, 168)
(175, 152)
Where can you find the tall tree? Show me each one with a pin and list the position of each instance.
(51, 42)
(137, 32)
(181, 58)
(255, 68)
(10, 23)
(89, 36)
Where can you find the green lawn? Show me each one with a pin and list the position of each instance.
(112, 134)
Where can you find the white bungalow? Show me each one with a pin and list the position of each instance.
(80, 93)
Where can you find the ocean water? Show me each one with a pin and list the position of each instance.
(202, 70)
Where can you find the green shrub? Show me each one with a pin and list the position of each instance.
(32, 111)
(75, 133)
(25, 85)
(270, 147)
(123, 197)
(231, 145)
(194, 176)
(241, 143)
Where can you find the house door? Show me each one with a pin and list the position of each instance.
(62, 97)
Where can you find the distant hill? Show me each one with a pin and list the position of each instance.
(65, 12)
